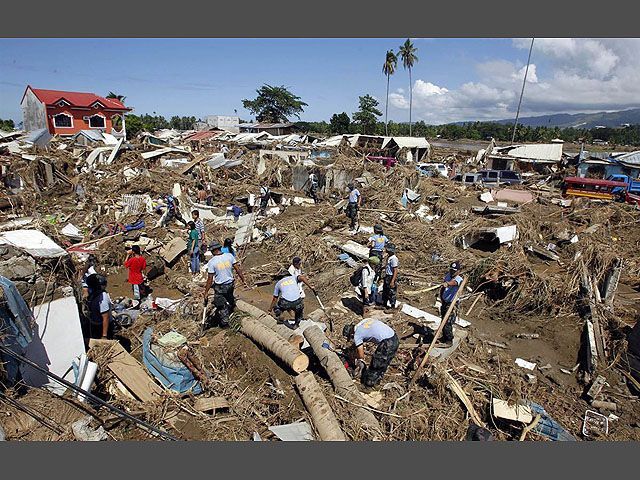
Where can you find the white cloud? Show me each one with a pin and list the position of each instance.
(578, 75)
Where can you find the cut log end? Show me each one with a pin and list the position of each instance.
(300, 363)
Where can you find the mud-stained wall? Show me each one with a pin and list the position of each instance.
(34, 116)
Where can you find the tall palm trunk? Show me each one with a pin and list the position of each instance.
(410, 99)
(386, 111)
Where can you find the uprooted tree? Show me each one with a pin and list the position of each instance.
(274, 104)
(365, 118)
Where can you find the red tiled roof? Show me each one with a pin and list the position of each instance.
(204, 135)
(76, 99)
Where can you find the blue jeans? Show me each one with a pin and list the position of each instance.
(195, 260)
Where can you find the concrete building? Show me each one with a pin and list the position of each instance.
(67, 113)
(222, 122)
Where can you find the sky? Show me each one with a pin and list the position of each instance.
(453, 80)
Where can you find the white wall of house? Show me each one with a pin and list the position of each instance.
(223, 122)
(34, 112)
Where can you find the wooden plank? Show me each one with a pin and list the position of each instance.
(192, 164)
(209, 404)
(130, 372)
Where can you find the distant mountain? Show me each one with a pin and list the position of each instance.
(581, 120)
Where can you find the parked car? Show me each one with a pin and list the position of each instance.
(433, 169)
(500, 177)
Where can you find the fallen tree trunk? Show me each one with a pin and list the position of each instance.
(340, 378)
(270, 340)
(321, 413)
(265, 319)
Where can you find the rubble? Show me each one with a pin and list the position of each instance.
(523, 248)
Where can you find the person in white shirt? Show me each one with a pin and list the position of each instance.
(295, 269)
(367, 281)
(355, 200)
(390, 287)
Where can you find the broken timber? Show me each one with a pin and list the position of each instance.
(321, 413)
(340, 378)
(264, 318)
(274, 343)
(611, 284)
(596, 350)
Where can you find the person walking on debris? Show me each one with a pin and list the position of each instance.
(220, 274)
(202, 194)
(202, 246)
(377, 242)
(390, 286)
(286, 298)
(172, 211)
(136, 264)
(193, 247)
(265, 196)
(450, 285)
(377, 332)
(355, 199)
(89, 269)
(100, 324)
(368, 278)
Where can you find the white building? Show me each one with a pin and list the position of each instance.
(223, 122)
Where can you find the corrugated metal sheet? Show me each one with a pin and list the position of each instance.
(631, 159)
(550, 152)
(411, 142)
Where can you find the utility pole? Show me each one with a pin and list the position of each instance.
(524, 82)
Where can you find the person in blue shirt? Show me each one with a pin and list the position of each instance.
(286, 297)
(450, 286)
(377, 242)
(382, 335)
(355, 199)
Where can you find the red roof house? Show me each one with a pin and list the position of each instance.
(67, 113)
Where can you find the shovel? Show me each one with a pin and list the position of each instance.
(204, 318)
(324, 311)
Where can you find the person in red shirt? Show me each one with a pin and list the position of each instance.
(136, 264)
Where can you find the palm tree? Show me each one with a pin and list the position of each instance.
(408, 54)
(120, 98)
(389, 68)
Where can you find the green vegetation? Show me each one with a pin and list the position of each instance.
(388, 68)
(274, 104)
(365, 119)
(7, 125)
(137, 123)
(409, 59)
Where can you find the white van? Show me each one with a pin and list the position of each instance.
(432, 169)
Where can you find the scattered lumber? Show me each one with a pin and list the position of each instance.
(340, 378)
(274, 343)
(321, 413)
(211, 404)
(457, 389)
(264, 318)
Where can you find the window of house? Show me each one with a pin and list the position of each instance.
(493, 174)
(96, 121)
(62, 120)
(62, 103)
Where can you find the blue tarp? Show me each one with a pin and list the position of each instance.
(172, 375)
(548, 427)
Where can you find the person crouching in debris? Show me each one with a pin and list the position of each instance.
(379, 333)
(136, 265)
(265, 196)
(367, 281)
(450, 286)
(377, 242)
(193, 247)
(100, 324)
(355, 199)
(390, 286)
(220, 273)
(172, 211)
(286, 298)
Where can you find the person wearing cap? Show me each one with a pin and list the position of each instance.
(100, 322)
(295, 269)
(390, 286)
(136, 264)
(377, 242)
(367, 281)
(355, 199)
(286, 298)
(220, 274)
(371, 330)
(448, 289)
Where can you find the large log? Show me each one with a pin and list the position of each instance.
(264, 318)
(321, 413)
(270, 340)
(340, 378)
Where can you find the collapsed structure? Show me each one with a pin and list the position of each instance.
(541, 345)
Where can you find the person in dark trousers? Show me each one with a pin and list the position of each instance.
(172, 211)
(312, 189)
(202, 246)
(377, 242)
(355, 199)
(450, 286)
(193, 247)
(367, 283)
(390, 285)
(265, 196)
(100, 324)
(136, 264)
(287, 298)
(220, 274)
(377, 332)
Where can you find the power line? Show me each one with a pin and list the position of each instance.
(524, 82)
